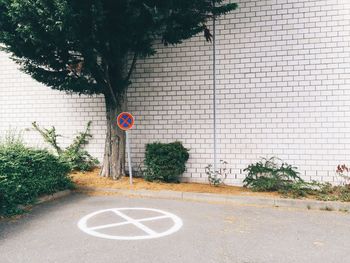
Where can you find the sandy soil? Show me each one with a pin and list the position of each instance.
(92, 179)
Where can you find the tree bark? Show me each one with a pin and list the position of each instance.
(114, 156)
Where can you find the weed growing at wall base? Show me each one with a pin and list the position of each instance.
(328, 192)
(217, 177)
(268, 175)
(343, 171)
(274, 175)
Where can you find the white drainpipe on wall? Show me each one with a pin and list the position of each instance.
(214, 97)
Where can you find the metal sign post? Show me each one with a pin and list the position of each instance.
(125, 122)
(129, 155)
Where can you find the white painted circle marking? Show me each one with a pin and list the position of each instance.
(149, 233)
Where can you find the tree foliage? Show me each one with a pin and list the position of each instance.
(92, 46)
(83, 45)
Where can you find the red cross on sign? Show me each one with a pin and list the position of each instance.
(125, 121)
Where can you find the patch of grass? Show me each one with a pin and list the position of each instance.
(328, 192)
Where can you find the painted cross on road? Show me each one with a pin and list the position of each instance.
(121, 213)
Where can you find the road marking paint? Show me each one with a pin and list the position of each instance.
(149, 233)
(136, 223)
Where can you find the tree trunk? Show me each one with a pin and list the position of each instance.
(114, 156)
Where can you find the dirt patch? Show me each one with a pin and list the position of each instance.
(92, 179)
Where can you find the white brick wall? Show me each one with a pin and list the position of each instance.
(22, 101)
(283, 80)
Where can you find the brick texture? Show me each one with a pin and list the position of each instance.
(23, 100)
(283, 78)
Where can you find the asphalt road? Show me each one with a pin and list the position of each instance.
(210, 233)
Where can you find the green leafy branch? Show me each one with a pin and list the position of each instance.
(74, 154)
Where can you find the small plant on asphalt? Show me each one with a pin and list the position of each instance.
(326, 208)
(74, 155)
(217, 177)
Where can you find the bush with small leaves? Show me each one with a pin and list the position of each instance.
(26, 174)
(165, 162)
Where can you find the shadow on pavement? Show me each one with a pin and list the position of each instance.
(13, 226)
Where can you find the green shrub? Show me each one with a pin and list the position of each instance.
(165, 162)
(26, 173)
(74, 155)
(269, 175)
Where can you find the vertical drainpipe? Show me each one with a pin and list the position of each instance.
(214, 96)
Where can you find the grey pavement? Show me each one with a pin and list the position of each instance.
(210, 233)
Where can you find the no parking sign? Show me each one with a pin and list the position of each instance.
(125, 121)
